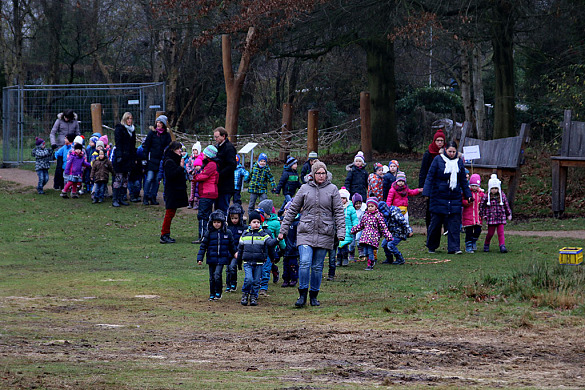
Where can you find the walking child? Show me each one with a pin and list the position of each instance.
(207, 178)
(360, 209)
(374, 227)
(356, 180)
(235, 224)
(271, 224)
(306, 169)
(100, 170)
(74, 171)
(375, 182)
(495, 210)
(218, 247)
(399, 193)
(240, 176)
(289, 182)
(470, 218)
(390, 177)
(193, 166)
(259, 180)
(400, 230)
(43, 157)
(351, 220)
(290, 260)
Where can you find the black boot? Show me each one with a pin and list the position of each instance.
(302, 297)
(115, 192)
(122, 196)
(245, 299)
(145, 200)
(313, 296)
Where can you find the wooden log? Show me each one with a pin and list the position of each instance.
(96, 118)
(287, 110)
(312, 131)
(366, 125)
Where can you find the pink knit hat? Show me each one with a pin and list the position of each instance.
(474, 180)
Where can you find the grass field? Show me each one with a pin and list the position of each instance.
(90, 299)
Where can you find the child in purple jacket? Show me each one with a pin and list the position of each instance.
(74, 171)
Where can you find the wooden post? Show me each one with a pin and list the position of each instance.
(285, 131)
(96, 118)
(159, 113)
(366, 124)
(312, 132)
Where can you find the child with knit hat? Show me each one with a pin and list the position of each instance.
(311, 158)
(61, 155)
(375, 186)
(357, 176)
(289, 182)
(470, 218)
(399, 193)
(389, 177)
(360, 209)
(74, 171)
(259, 180)
(374, 227)
(207, 178)
(193, 165)
(495, 210)
(43, 157)
(351, 220)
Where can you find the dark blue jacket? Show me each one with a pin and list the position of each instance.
(290, 239)
(357, 181)
(240, 228)
(305, 170)
(387, 181)
(289, 182)
(444, 200)
(219, 245)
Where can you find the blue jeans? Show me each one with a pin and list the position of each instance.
(223, 202)
(392, 248)
(134, 187)
(100, 189)
(151, 185)
(252, 274)
(311, 266)
(266, 269)
(43, 175)
(287, 198)
(368, 252)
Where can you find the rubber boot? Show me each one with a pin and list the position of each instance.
(474, 244)
(313, 298)
(302, 301)
(399, 259)
(469, 246)
(115, 192)
(121, 196)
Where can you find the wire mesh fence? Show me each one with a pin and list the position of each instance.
(29, 111)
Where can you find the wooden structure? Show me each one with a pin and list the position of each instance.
(572, 155)
(502, 156)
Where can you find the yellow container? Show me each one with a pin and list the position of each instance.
(571, 256)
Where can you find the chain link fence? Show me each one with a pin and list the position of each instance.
(29, 111)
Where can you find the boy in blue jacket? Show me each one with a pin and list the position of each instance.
(218, 242)
(235, 224)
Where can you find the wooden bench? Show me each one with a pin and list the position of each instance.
(572, 154)
(502, 156)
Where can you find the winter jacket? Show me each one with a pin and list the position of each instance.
(425, 165)
(361, 211)
(240, 176)
(43, 157)
(322, 217)
(175, 193)
(63, 152)
(254, 245)
(226, 165)
(443, 199)
(470, 214)
(125, 154)
(207, 177)
(290, 239)
(374, 227)
(494, 213)
(289, 182)
(375, 186)
(305, 170)
(218, 244)
(61, 129)
(75, 164)
(351, 220)
(272, 226)
(154, 146)
(100, 170)
(395, 221)
(237, 230)
(399, 197)
(357, 181)
(387, 181)
(259, 179)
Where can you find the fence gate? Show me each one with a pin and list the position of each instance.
(29, 111)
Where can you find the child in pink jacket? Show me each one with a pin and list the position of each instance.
(470, 218)
(373, 226)
(399, 193)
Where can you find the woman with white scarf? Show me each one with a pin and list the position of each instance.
(445, 184)
(124, 158)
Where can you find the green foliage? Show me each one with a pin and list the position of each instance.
(432, 99)
(566, 89)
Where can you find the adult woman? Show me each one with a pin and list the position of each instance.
(322, 218)
(65, 124)
(154, 146)
(175, 188)
(444, 183)
(430, 154)
(124, 158)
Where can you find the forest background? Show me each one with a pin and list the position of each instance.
(494, 63)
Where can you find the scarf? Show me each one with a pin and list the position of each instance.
(400, 191)
(434, 149)
(160, 131)
(452, 167)
(130, 129)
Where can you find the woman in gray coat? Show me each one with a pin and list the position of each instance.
(322, 218)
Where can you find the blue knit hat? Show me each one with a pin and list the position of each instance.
(210, 151)
(262, 156)
(290, 161)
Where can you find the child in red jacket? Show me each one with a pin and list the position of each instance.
(399, 193)
(207, 179)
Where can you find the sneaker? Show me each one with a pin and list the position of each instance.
(94, 200)
(503, 249)
(217, 296)
(211, 298)
(233, 287)
(228, 289)
(264, 293)
(41, 192)
(81, 192)
(455, 252)
(369, 268)
(431, 251)
(253, 301)
(64, 195)
(101, 200)
(166, 239)
(245, 298)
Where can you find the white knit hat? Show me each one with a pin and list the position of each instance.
(344, 193)
(78, 140)
(196, 146)
(494, 182)
(360, 156)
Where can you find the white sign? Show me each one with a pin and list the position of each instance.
(132, 102)
(248, 147)
(156, 106)
(471, 152)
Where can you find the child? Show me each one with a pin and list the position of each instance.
(91, 148)
(62, 154)
(193, 165)
(351, 220)
(271, 224)
(357, 176)
(373, 226)
(253, 252)
(290, 260)
(259, 180)
(470, 219)
(74, 171)
(208, 178)
(289, 182)
(360, 209)
(136, 175)
(494, 209)
(400, 230)
(220, 247)
(399, 193)
(235, 224)
(306, 169)
(240, 176)
(43, 159)
(390, 177)
(100, 169)
(375, 187)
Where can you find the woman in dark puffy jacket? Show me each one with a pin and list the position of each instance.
(175, 188)
(153, 148)
(444, 184)
(124, 158)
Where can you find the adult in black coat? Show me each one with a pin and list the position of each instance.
(154, 146)
(226, 157)
(124, 158)
(432, 151)
(175, 188)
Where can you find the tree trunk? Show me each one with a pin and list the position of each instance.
(234, 83)
(465, 85)
(382, 85)
(503, 45)
(479, 103)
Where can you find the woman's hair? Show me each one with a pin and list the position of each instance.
(451, 144)
(69, 114)
(222, 131)
(125, 116)
(175, 145)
